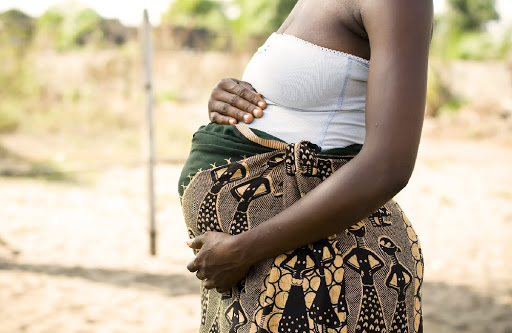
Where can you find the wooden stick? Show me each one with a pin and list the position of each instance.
(146, 28)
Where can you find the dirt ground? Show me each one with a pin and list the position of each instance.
(83, 265)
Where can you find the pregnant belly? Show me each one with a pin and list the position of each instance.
(326, 129)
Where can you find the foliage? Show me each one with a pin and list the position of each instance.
(453, 105)
(505, 46)
(195, 13)
(460, 33)
(242, 19)
(70, 26)
(471, 15)
(18, 84)
(475, 45)
(440, 97)
(260, 17)
(436, 92)
(76, 28)
(16, 31)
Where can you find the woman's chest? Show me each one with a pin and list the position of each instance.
(297, 74)
(333, 24)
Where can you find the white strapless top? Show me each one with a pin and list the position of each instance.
(312, 93)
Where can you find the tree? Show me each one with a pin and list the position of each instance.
(242, 18)
(460, 32)
(260, 17)
(16, 30)
(196, 14)
(471, 15)
(69, 25)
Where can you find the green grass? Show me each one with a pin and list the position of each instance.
(478, 45)
(453, 105)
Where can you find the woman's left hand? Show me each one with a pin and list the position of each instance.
(220, 262)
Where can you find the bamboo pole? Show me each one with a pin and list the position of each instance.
(147, 52)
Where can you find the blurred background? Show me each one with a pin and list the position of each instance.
(73, 209)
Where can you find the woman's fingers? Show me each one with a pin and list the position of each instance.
(225, 109)
(253, 96)
(218, 262)
(191, 266)
(208, 284)
(233, 100)
(218, 118)
(200, 276)
(196, 242)
(242, 89)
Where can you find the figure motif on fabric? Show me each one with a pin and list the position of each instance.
(250, 190)
(297, 292)
(208, 219)
(378, 218)
(365, 262)
(398, 279)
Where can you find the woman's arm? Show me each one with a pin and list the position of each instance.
(399, 34)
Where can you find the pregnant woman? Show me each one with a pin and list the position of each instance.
(287, 194)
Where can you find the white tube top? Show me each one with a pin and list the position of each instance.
(312, 93)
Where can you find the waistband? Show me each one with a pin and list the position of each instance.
(214, 145)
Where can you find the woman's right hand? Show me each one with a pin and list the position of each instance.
(233, 100)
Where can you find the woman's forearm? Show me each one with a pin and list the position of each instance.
(352, 193)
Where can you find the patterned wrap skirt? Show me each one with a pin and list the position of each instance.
(367, 278)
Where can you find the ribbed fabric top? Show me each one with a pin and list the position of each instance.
(313, 93)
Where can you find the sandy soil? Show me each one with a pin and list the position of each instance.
(83, 265)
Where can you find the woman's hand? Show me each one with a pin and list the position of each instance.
(233, 100)
(219, 263)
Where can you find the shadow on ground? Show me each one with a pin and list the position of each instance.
(449, 308)
(14, 165)
(446, 308)
(169, 284)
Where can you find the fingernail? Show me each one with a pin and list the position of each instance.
(261, 104)
(189, 242)
(232, 121)
(257, 112)
(247, 118)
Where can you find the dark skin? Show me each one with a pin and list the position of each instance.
(396, 34)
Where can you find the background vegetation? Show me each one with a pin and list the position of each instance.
(72, 73)
(461, 32)
(237, 19)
